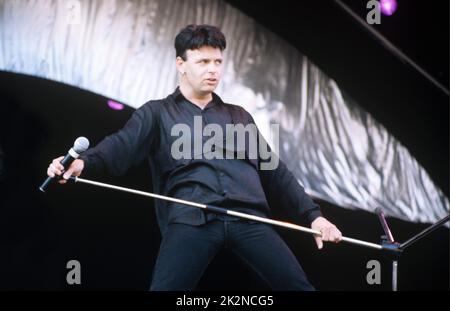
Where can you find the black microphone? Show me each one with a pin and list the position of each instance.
(80, 146)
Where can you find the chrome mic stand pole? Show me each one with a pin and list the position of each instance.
(220, 210)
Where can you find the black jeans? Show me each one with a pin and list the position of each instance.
(186, 251)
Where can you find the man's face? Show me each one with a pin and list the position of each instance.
(202, 69)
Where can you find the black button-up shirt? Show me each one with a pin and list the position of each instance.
(236, 184)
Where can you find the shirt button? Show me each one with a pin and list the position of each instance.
(221, 174)
(224, 192)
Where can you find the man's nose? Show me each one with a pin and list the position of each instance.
(213, 68)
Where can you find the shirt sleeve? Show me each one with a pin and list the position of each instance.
(129, 146)
(283, 190)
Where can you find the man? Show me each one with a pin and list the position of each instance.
(190, 237)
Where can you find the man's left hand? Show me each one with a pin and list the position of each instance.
(329, 231)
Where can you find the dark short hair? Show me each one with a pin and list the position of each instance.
(193, 37)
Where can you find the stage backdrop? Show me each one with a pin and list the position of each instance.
(124, 50)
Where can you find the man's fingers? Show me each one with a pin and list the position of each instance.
(57, 163)
(325, 234)
(328, 235)
(50, 172)
(332, 235)
(55, 168)
(337, 236)
(318, 241)
(68, 173)
(76, 174)
(66, 176)
(328, 232)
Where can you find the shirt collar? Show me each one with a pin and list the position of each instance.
(178, 96)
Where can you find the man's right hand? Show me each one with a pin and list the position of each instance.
(56, 169)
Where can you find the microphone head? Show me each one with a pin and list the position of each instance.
(81, 145)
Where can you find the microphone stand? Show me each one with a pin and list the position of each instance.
(388, 245)
(220, 210)
(387, 241)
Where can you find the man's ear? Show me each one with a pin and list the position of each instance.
(180, 65)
